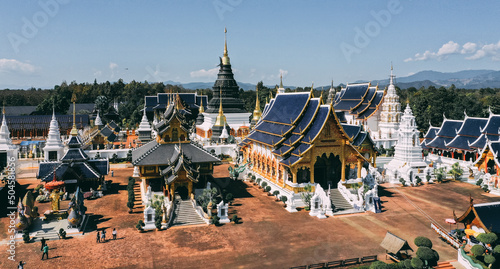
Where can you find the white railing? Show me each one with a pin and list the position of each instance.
(170, 212)
(352, 199)
(466, 261)
(446, 236)
(199, 211)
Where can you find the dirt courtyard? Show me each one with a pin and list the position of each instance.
(268, 237)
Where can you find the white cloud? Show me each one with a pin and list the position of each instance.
(113, 66)
(448, 48)
(283, 72)
(488, 50)
(15, 66)
(97, 73)
(468, 47)
(492, 50)
(203, 73)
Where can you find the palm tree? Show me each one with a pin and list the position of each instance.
(456, 171)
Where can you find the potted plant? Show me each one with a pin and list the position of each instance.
(276, 193)
(215, 220)
(158, 224)
(130, 205)
(26, 236)
(263, 185)
(284, 199)
(268, 190)
(235, 219)
(403, 181)
(139, 226)
(62, 233)
(229, 198)
(418, 181)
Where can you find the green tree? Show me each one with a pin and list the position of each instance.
(477, 250)
(489, 259)
(421, 241)
(487, 238)
(378, 265)
(426, 254)
(417, 263)
(456, 171)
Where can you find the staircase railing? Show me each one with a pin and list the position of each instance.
(199, 211)
(466, 261)
(171, 213)
(352, 199)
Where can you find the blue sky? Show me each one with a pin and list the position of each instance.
(45, 42)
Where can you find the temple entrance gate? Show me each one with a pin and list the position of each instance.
(327, 170)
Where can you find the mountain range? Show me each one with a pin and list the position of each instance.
(466, 79)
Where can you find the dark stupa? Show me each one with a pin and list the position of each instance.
(226, 87)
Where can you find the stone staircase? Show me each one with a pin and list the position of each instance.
(339, 201)
(185, 214)
(341, 206)
(444, 265)
(49, 235)
(138, 198)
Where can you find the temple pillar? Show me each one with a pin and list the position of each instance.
(294, 175)
(172, 192)
(311, 174)
(342, 159)
(359, 168)
(190, 188)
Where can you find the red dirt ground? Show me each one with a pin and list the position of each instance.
(269, 236)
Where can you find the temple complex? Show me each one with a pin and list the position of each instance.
(155, 159)
(300, 141)
(226, 92)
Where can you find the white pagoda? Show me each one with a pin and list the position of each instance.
(8, 151)
(54, 148)
(408, 160)
(390, 117)
(144, 129)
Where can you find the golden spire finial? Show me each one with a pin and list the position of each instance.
(74, 131)
(270, 94)
(221, 119)
(312, 87)
(225, 41)
(257, 113)
(225, 57)
(177, 100)
(201, 104)
(281, 80)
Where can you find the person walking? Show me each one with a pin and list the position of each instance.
(103, 236)
(114, 233)
(43, 241)
(21, 265)
(45, 252)
(98, 238)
